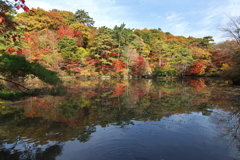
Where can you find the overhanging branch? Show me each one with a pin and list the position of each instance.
(16, 84)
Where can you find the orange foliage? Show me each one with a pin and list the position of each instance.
(119, 66)
(170, 36)
(119, 89)
(199, 68)
(199, 84)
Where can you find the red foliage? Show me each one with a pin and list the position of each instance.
(90, 93)
(65, 32)
(18, 7)
(34, 50)
(221, 57)
(197, 68)
(77, 33)
(170, 36)
(74, 66)
(103, 67)
(26, 9)
(139, 93)
(119, 66)
(119, 89)
(7, 24)
(71, 34)
(11, 50)
(79, 36)
(19, 52)
(91, 62)
(139, 65)
(199, 84)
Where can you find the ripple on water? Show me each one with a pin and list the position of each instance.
(118, 154)
(117, 151)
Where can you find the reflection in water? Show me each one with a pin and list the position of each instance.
(190, 119)
(22, 150)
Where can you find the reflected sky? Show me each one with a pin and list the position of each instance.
(141, 120)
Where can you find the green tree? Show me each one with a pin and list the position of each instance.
(68, 48)
(145, 34)
(16, 66)
(204, 43)
(124, 36)
(158, 47)
(104, 49)
(176, 59)
(83, 17)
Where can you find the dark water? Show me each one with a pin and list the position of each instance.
(125, 120)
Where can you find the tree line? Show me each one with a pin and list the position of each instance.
(68, 44)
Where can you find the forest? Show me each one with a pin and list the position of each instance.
(71, 89)
(59, 43)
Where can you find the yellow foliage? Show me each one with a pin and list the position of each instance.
(86, 31)
(224, 66)
(201, 54)
(84, 53)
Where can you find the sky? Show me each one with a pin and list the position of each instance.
(196, 18)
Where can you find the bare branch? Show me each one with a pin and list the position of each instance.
(232, 28)
(16, 84)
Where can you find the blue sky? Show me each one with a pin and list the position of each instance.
(197, 18)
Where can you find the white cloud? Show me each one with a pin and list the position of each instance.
(103, 12)
(176, 24)
(174, 17)
(41, 4)
(185, 17)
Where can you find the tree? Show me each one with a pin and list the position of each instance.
(68, 48)
(68, 16)
(203, 43)
(104, 49)
(83, 17)
(232, 28)
(139, 66)
(10, 36)
(123, 36)
(145, 34)
(177, 59)
(85, 31)
(158, 47)
(15, 65)
(118, 35)
(129, 58)
(223, 53)
(40, 19)
(118, 65)
(202, 58)
(44, 49)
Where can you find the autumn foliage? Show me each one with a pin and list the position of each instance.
(7, 24)
(68, 43)
(139, 65)
(119, 66)
(198, 68)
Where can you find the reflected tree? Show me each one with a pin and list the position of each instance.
(31, 151)
(78, 114)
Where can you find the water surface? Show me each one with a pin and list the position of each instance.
(136, 119)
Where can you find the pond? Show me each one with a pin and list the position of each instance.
(190, 119)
